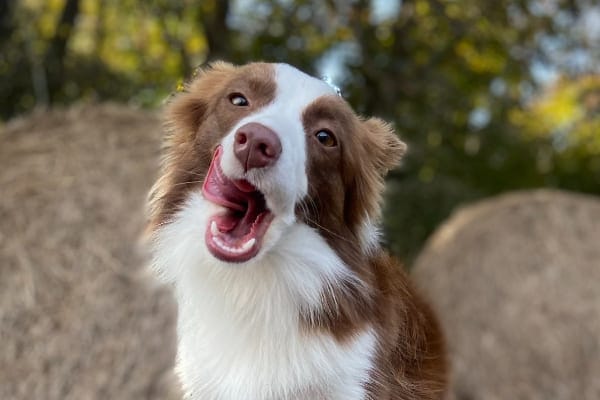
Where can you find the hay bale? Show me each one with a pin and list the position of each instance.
(77, 319)
(516, 282)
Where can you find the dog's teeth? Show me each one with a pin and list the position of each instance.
(237, 250)
(220, 243)
(213, 228)
(246, 246)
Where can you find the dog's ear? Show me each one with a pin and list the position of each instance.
(186, 109)
(380, 151)
(387, 148)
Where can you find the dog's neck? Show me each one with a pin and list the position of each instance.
(240, 329)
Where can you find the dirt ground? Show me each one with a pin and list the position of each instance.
(78, 319)
(516, 282)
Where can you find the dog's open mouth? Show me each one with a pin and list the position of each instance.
(234, 235)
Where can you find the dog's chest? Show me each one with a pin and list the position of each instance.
(263, 353)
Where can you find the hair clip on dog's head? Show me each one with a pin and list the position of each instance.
(329, 81)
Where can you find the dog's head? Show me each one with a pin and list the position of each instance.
(259, 148)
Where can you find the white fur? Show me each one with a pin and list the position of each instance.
(285, 183)
(370, 236)
(239, 332)
(239, 328)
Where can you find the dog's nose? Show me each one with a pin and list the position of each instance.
(256, 146)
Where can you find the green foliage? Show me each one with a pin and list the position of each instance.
(456, 78)
(564, 126)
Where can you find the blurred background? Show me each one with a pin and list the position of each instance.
(492, 96)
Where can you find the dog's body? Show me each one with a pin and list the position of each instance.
(265, 220)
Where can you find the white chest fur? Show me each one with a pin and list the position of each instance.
(263, 355)
(239, 330)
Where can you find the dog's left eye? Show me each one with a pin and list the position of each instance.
(238, 100)
(326, 138)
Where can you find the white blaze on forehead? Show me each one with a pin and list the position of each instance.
(299, 88)
(285, 183)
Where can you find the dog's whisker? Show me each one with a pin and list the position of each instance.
(186, 171)
(337, 235)
(187, 183)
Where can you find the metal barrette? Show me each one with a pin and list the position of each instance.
(329, 81)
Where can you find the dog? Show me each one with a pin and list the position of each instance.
(265, 221)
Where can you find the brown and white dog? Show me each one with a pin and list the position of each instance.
(265, 221)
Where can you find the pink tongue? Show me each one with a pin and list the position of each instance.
(221, 190)
(240, 197)
(226, 222)
(243, 223)
(244, 186)
(239, 226)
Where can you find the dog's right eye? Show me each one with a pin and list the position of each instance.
(326, 138)
(238, 99)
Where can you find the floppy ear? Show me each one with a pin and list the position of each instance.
(388, 149)
(186, 109)
(381, 152)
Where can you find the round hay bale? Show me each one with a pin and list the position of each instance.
(77, 317)
(516, 283)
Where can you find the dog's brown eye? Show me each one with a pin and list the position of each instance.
(326, 138)
(238, 100)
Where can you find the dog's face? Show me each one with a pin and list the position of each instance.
(263, 147)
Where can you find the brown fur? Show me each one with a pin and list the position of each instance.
(345, 190)
(196, 121)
